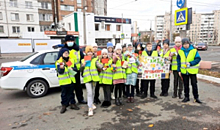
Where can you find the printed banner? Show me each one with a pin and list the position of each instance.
(153, 68)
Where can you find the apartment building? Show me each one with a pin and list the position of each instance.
(17, 17)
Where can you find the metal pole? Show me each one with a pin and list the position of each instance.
(84, 21)
(122, 27)
(171, 30)
(150, 30)
(6, 17)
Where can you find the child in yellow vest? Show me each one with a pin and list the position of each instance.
(90, 77)
(66, 80)
(106, 78)
(131, 72)
(165, 53)
(119, 77)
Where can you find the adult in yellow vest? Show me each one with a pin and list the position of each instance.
(177, 82)
(66, 80)
(106, 78)
(131, 72)
(144, 83)
(77, 55)
(90, 76)
(165, 53)
(188, 66)
(119, 77)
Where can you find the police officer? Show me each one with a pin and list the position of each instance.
(77, 55)
(188, 66)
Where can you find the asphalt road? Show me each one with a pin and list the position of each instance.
(212, 54)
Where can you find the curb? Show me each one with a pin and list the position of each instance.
(208, 78)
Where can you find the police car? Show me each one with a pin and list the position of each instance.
(35, 73)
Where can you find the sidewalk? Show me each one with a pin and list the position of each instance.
(13, 55)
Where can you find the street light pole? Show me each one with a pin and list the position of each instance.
(171, 30)
(84, 21)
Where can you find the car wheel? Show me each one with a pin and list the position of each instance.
(37, 88)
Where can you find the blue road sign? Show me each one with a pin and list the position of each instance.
(180, 3)
(181, 16)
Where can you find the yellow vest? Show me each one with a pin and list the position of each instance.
(65, 78)
(90, 73)
(106, 76)
(191, 56)
(119, 73)
(166, 55)
(174, 59)
(132, 67)
(76, 56)
(154, 54)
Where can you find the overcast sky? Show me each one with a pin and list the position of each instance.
(144, 10)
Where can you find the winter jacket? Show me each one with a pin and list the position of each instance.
(196, 61)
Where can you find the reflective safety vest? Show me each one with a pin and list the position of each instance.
(154, 53)
(191, 56)
(106, 76)
(132, 67)
(90, 73)
(174, 59)
(119, 73)
(65, 78)
(166, 55)
(76, 56)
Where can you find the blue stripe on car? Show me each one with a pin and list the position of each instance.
(23, 67)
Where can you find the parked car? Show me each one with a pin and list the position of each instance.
(201, 46)
(34, 74)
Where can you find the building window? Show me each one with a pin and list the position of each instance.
(1, 17)
(14, 16)
(97, 27)
(13, 3)
(44, 28)
(1, 29)
(30, 29)
(69, 24)
(118, 27)
(79, 3)
(107, 27)
(45, 5)
(67, 7)
(79, 10)
(45, 17)
(28, 4)
(15, 29)
(30, 17)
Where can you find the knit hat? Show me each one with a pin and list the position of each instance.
(178, 39)
(118, 46)
(166, 41)
(109, 44)
(104, 51)
(69, 38)
(94, 44)
(89, 48)
(185, 40)
(60, 54)
(129, 44)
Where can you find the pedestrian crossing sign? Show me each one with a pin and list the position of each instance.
(181, 16)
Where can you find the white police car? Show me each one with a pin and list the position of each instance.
(35, 73)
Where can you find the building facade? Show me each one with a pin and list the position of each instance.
(17, 17)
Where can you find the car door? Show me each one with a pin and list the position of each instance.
(48, 67)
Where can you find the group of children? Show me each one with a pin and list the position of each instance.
(116, 69)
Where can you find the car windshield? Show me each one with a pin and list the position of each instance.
(25, 58)
(201, 43)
